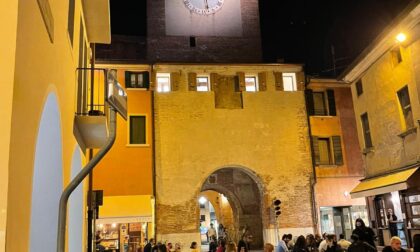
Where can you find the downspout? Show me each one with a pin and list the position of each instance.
(62, 214)
(313, 178)
(152, 93)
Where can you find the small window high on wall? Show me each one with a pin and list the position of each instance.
(137, 132)
(137, 80)
(289, 82)
(251, 84)
(163, 82)
(203, 83)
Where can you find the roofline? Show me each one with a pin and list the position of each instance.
(131, 63)
(381, 44)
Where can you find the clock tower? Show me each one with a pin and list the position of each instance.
(220, 31)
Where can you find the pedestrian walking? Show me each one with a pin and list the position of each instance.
(364, 233)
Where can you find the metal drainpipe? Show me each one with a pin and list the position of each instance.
(314, 180)
(62, 214)
(154, 155)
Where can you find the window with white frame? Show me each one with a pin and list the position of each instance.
(289, 82)
(163, 82)
(250, 83)
(203, 83)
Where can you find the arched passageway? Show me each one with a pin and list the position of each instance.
(243, 191)
(47, 180)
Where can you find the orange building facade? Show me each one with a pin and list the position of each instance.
(338, 165)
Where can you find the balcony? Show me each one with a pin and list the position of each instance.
(96, 90)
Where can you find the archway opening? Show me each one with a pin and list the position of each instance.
(216, 217)
(243, 190)
(47, 180)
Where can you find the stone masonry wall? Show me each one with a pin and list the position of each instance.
(269, 137)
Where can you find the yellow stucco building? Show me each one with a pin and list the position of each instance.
(43, 44)
(385, 82)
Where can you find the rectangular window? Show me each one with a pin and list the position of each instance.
(396, 56)
(359, 87)
(405, 104)
(324, 151)
(137, 129)
(327, 150)
(202, 218)
(320, 107)
(163, 81)
(366, 130)
(289, 82)
(250, 83)
(203, 83)
(137, 80)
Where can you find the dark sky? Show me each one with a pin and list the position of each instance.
(296, 31)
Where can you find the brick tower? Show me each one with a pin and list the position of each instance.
(220, 31)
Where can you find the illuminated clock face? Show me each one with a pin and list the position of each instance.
(204, 7)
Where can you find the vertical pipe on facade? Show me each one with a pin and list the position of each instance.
(62, 215)
(91, 222)
(153, 149)
(314, 180)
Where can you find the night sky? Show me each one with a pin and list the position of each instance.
(296, 31)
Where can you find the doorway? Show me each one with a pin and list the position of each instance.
(243, 192)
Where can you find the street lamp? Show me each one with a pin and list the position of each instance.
(202, 200)
(401, 37)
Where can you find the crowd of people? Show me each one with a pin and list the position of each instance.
(362, 240)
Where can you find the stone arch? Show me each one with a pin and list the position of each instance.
(47, 180)
(244, 190)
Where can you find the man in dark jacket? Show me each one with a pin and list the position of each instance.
(360, 246)
(364, 233)
(243, 244)
(149, 245)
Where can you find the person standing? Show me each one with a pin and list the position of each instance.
(395, 245)
(211, 232)
(149, 245)
(392, 223)
(282, 245)
(300, 245)
(363, 232)
(243, 244)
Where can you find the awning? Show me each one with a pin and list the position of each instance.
(383, 184)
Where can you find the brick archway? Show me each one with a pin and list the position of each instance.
(244, 192)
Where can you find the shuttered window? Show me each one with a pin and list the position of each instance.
(203, 83)
(327, 150)
(163, 82)
(321, 103)
(405, 104)
(366, 130)
(331, 102)
(137, 80)
(137, 129)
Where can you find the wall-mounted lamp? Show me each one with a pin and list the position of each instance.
(401, 37)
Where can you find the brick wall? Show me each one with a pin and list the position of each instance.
(268, 137)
